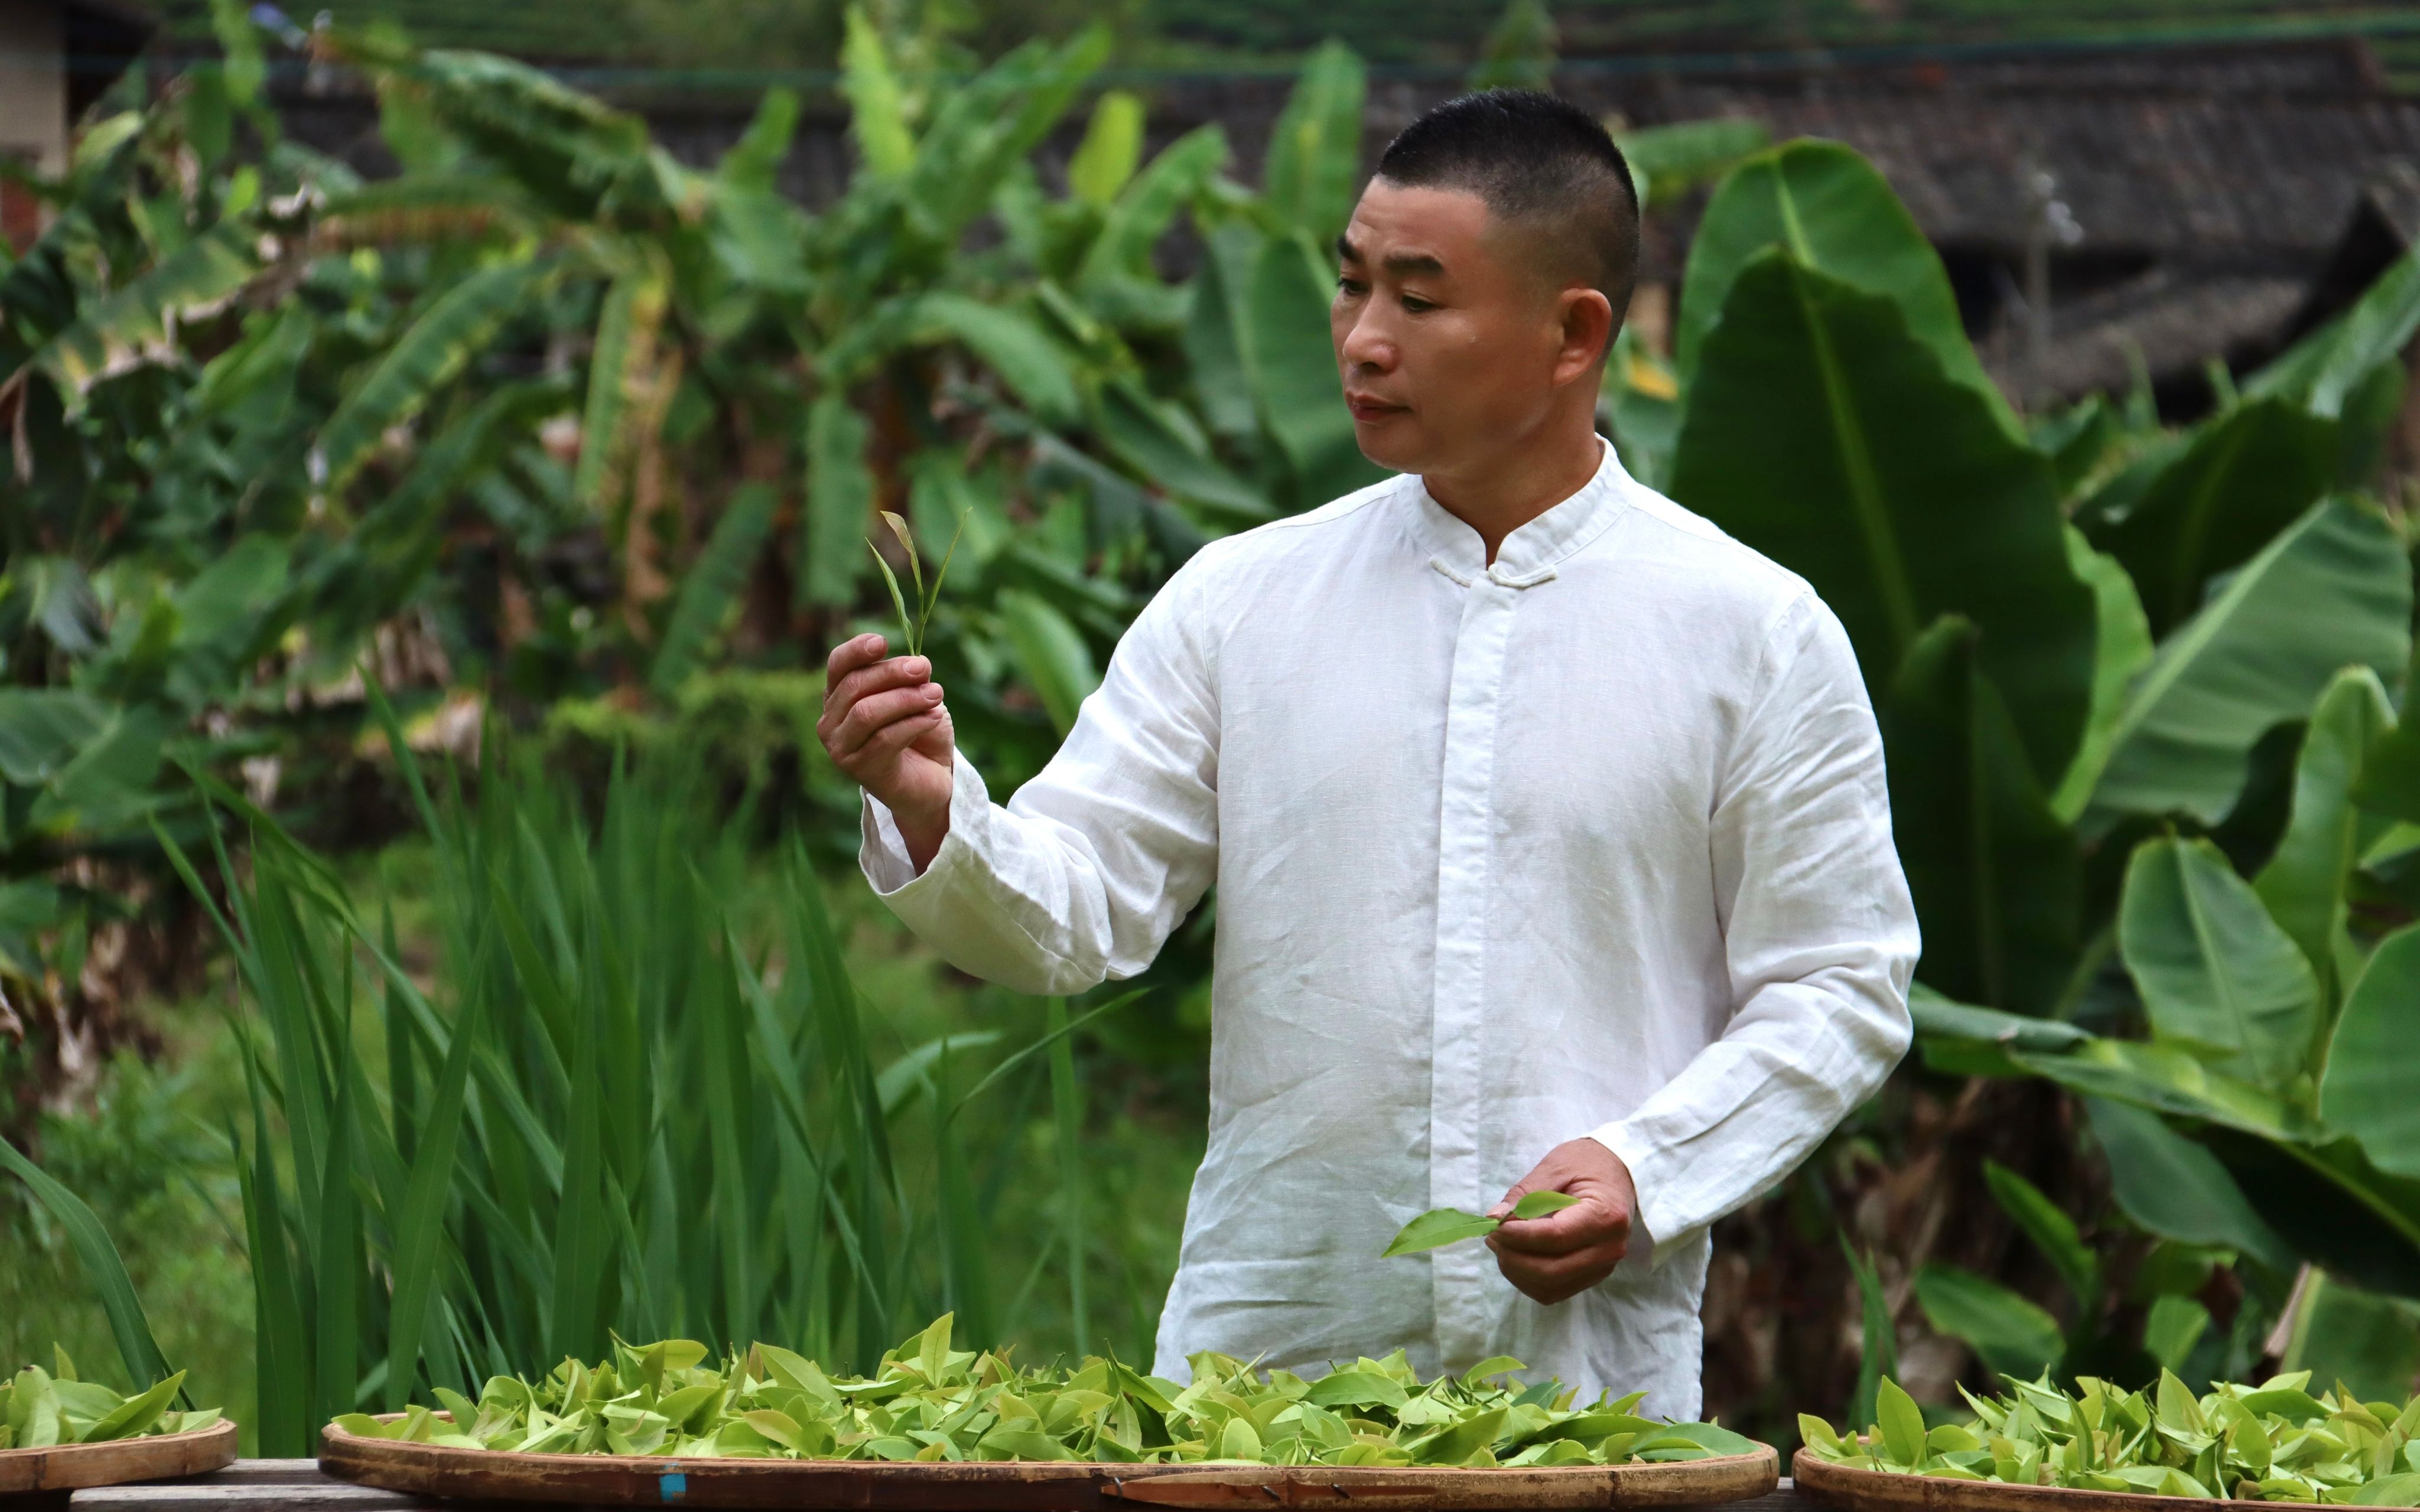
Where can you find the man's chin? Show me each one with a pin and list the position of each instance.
(1391, 442)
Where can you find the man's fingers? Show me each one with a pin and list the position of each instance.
(1503, 1208)
(879, 711)
(1575, 1227)
(846, 657)
(896, 736)
(1553, 1278)
(899, 672)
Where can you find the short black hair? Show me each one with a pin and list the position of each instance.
(1540, 163)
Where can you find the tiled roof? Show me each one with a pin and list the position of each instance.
(1439, 35)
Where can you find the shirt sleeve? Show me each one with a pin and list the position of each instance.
(1081, 876)
(1819, 933)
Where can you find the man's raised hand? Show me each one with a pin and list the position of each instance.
(885, 725)
(1565, 1253)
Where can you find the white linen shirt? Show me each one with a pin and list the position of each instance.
(1593, 841)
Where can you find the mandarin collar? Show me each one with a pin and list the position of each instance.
(1530, 554)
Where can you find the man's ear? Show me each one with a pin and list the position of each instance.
(1588, 329)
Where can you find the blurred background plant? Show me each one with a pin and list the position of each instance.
(572, 449)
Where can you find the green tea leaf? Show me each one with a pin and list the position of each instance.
(1539, 1204)
(137, 1413)
(1902, 1423)
(1436, 1228)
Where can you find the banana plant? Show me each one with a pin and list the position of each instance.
(2139, 693)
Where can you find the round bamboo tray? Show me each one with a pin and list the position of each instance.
(71, 1466)
(1843, 1489)
(633, 1480)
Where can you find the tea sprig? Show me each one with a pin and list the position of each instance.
(1440, 1227)
(911, 628)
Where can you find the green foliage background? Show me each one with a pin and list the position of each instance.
(554, 437)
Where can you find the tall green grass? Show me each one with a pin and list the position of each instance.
(633, 1093)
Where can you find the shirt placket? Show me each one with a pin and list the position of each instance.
(1466, 831)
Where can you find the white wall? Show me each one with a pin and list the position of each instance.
(34, 82)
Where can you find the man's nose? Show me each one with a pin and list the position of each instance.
(1365, 344)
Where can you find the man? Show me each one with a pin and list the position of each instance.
(1548, 824)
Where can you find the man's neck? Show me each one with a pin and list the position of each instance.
(1514, 485)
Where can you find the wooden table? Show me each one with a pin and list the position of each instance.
(298, 1485)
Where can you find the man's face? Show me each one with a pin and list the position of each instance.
(1451, 344)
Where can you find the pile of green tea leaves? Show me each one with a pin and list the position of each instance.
(2271, 1443)
(929, 1401)
(45, 1409)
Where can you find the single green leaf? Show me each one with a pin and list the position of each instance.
(2051, 1229)
(1438, 1226)
(1667, 162)
(2217, 973)
(2122, 649)
(2332, 590)
(1823, 432)
(756, 160)
(2367, 1090)
(457, 325)
(1995, 877)
(135, 1416)
(1314, 158)
(1539, 1204)
(1831, 210)
(2321, 369)
(130, 323)
(1292, 366)
(2247, 474)
(1112, 147)
(1012, 344)
(1051, 654)
(2010, 1333)
(2171, 1185)
(1141, 215)
(713, 584)
(2306, 882)
(877, 116)
(840, 496)
(1356, 1388)
(1902, 1423)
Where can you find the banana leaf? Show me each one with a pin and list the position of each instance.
(1994, 875)
(1823, 432)
(2218, 976)
(1315, 161)
(2334, 590)
(2213, 506)
(2306, 882)
(1831, 210)
(2366, 1088)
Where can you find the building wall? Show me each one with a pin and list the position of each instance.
(32, 107)
(33, 82)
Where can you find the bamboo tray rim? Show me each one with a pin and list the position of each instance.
(493, 1474)
(71, 1467)
(1882, 1491)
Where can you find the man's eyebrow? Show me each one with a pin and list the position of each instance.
(1419, 263)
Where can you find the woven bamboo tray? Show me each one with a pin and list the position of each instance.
(1843, 1489)
(72, 1467)
(631, 1480)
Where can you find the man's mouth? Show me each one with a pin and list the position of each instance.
(1365, 407)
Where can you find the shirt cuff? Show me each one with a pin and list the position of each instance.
(882, 854)
(1648, 1182)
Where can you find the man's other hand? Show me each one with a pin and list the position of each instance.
(1565, 1253)
(885, 725)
